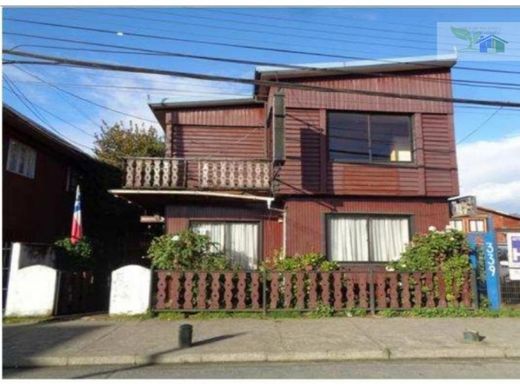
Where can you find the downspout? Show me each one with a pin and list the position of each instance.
(284, 227)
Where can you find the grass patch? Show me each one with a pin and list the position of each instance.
(451, 312)
(24, 320)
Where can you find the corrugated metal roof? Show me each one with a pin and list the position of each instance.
(204, 103)
(368, 66)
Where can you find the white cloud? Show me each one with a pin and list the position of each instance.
(491, 171)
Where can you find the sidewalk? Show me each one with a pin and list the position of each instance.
(91, 341)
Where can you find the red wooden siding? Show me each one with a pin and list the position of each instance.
(220, 116)
(305, 217)
(178, 217)
(308, 171)
(214, 141)
(426, 83)
(230, 132)
(242, 132)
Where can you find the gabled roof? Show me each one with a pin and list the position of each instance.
(30, 128)
(483, 39)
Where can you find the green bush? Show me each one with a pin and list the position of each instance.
(447, 251)
(187, 251)
(307, 262)
(77, 256)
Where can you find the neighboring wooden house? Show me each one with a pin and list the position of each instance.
(348, 175)
(477, 221)
(40, 173)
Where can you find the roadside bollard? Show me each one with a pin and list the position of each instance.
(185, 335)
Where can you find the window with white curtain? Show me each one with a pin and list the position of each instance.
(477, 225)
(239, 240)
(361, 238)
(21, 159)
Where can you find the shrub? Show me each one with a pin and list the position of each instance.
(307, 262)
(447, 251)
(322, 311)
(187, 250)
(77, 256)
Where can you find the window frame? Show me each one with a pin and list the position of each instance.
(369, 217)
(260, 231)
(10, 157)
(477, 220)
(411, 123)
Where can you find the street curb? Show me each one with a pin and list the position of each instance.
(251, 357)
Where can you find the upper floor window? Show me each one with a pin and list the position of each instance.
(477, 225)
(457, 224)
(364, 137)
(21, 159)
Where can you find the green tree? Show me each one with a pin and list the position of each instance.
(118, 141)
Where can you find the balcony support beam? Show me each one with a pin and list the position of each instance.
(268, 199)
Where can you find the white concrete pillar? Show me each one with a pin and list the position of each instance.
(130, 290)
(31, 290)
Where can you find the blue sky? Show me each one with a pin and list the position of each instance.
(357, 32)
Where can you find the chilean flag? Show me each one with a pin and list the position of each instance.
(76, 233)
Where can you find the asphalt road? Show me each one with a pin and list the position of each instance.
(418, 369)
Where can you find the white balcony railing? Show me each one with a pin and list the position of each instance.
(203, 174)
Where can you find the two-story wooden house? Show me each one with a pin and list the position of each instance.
(349, 174)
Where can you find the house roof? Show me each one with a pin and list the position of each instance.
(203, 103)
(317, 69)
(27, 126)
(488, 210)
(483, 39)
(355, 67)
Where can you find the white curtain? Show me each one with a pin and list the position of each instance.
(389, 237)
(215, 231)
(243, 248)
(348, 239)
(238, 240)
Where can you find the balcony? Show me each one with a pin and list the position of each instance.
(199, 174)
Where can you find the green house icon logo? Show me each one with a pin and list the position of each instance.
(484, 43)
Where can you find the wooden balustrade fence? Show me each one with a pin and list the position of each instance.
(305, 291)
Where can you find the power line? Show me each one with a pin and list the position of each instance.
(277, 34)
(32, 108)
(132, 88)
(262, 48)
(283, 84)
(328, 24)
(86, 100)
(480, 126)
(142, 51)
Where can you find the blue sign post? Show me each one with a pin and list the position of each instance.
(492, 266)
